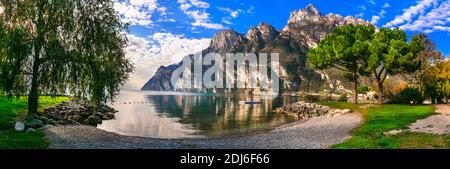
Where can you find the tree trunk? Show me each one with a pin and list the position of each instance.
(380, 92)
(33, 95)
(355, 88)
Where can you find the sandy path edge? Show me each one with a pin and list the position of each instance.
(436, 124)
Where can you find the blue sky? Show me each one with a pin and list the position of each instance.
(163, 31)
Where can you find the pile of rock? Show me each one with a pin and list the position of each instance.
(76, 113)
(69, 112)
(303, 110)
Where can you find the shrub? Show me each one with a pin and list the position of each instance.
(363, 89)
(408, 95)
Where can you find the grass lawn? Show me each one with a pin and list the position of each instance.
(9, 111)
(383, 118)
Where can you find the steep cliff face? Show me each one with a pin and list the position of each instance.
(161, 80)
(304, 29)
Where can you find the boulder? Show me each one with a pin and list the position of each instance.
(76, 117)
(34, 122)
(30, 130)
(19, 126)
(93, 120)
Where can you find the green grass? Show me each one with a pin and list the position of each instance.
(9, 111)
(383, 118)
(345, 105)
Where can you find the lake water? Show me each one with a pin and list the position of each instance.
(188, 115)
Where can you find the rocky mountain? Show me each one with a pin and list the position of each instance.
(304, 29)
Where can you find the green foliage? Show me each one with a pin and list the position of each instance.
(10, 139)
(391, 51)
(430, 78)
(380, 119)
(360, 51)
(392, 54)
(51, 46)
(409, 95)
(363, 89)
(9, 110)
(347, 49)
(14, 50)
(437, 85)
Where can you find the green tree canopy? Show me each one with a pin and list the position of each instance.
(392, 54)
(361, 51)
(347, 49)
(54, 46)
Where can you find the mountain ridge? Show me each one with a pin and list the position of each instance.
(304, 29)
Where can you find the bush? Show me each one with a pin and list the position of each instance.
(407, 96)
(343, 98)
(363, 89)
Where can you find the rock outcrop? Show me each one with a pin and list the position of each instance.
(71, 112)
(304, 29)
(303, 110)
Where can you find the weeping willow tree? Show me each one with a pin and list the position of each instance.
(51, 47)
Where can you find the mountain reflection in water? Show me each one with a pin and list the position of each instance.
(186, 115)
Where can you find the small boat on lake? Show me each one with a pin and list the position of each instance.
(249, 102)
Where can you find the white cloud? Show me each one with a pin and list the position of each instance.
(162, 11)
(201, 17)
(202, 20)
(372, 2)
(226, 21)
(251, 9)
(160, 49)
(138, 12)
(380, 14)
(232, 14)
(437, 19)
(185, 7)
(359, 15)
(363, 7)
(199, 4)
(411, 12)
(375, 19)
(166, 20)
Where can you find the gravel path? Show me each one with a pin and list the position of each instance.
(316, 133)
(437, 124)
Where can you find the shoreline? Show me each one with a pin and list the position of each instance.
(318, 132)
